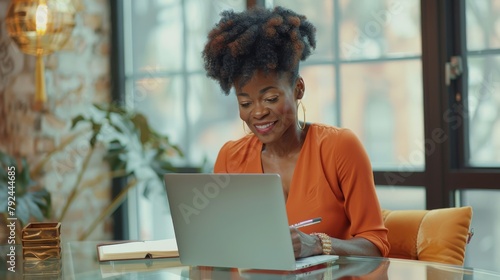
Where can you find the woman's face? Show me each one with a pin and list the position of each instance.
(268, 105)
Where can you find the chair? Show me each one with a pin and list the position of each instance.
(438, 235)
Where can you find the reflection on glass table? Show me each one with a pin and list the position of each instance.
(79, 261)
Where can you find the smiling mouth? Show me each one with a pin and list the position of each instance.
(263, 128)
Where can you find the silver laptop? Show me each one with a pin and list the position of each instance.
(233, 220)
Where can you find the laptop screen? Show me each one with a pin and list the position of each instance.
(230, 220)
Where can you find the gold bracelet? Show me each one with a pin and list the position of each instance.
(326, 242)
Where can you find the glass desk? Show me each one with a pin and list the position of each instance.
(79, 261)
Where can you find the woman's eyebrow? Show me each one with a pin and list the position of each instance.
(266, 89)
(262, 91)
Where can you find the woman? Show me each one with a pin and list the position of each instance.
(325, 170)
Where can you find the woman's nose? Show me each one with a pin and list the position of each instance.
(260, 111)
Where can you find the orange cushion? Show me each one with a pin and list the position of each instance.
(438, 235)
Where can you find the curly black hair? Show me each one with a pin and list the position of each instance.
(257, 39)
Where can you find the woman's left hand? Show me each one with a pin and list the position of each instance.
(304, 245)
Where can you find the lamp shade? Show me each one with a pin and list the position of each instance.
(40, 27)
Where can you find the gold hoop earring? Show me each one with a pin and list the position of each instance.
(301, 127)
(245, 130)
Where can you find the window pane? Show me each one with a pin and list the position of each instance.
(379, 28)
(213, 120)
(319, 98)
(382, 103)
(168, 84)
(483, 24)
(401, 198)
(321, 15)
(484, 111)
(161, 100)
(483, 252)
(203, 15)
(199, 128)
(157, 34)
(155, 221)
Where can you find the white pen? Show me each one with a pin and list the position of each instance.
(307, 223)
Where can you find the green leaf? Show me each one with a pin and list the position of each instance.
(116, 155)
(3, 199)
(141, 123)
(96, 127)
(30, 201)
(76, 120)
(22, 210)
(117, 127)
(178, 150)
(111, 108)
(33, 208)
(42, 198)
(93, 140)
(101, 107)
(3, 177)
(23, 180)
(6, 160)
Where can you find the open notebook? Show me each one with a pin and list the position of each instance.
(136, 250)
(233, 220)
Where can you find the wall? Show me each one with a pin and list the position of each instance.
(76, 77)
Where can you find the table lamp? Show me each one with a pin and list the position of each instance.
(40, 27)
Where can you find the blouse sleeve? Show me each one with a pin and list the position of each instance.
(220, 165)
(355, 176)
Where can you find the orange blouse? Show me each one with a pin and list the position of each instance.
(332, 179)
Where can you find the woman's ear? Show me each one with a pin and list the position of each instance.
(299, 88)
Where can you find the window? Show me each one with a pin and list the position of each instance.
(367, 67)
(165, 79)
(482, 39)
(476, 103)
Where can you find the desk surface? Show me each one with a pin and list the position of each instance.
(79, 261)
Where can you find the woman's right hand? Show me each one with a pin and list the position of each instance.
(305, 245)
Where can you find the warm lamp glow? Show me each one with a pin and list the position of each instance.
(40, 27)
(41, 19)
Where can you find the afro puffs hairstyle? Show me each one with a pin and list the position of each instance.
(257, 39)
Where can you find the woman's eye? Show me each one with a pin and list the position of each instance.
(272, 99)
(245, 104)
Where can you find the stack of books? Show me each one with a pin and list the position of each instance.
(41, 241)
(41, 244)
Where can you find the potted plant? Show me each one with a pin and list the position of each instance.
(21, 197)
(133, 149)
